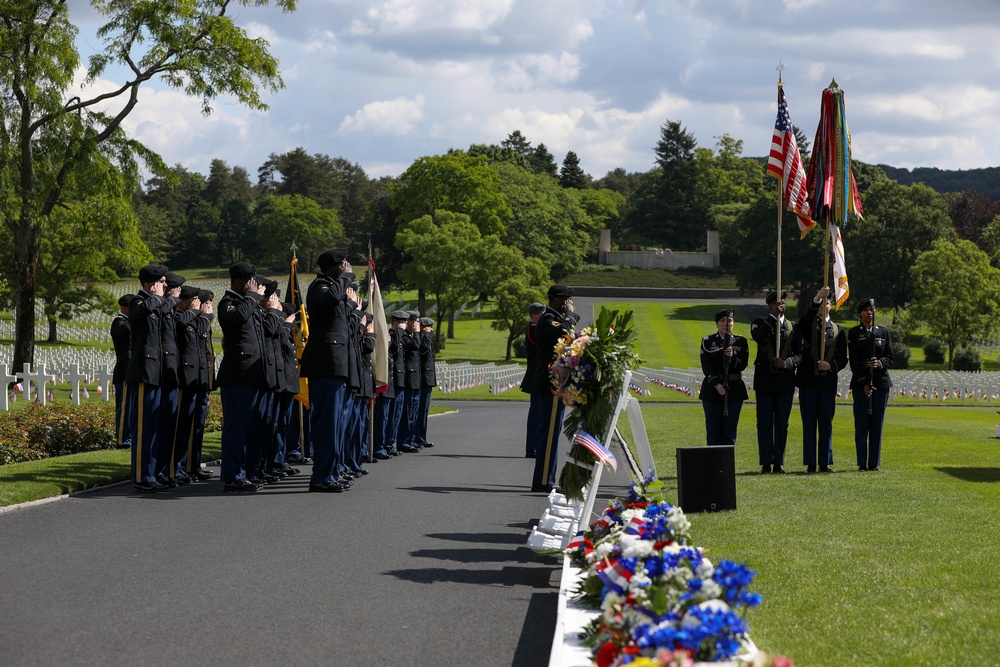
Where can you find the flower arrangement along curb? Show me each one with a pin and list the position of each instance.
(662, 603)
(587, 375)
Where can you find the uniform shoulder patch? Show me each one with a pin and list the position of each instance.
(555, 323)
(231, 307)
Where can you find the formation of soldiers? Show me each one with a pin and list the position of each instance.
(807, 355)
(166, 370)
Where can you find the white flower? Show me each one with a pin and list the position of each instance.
(711, 589)
(691, 621)
(603, 549)
(637, 549)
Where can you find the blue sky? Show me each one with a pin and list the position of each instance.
(383, 82)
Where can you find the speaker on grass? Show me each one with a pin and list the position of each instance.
(706, 478)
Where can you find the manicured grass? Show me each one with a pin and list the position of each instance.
(898, 567)
(620, 276)
(33, 480)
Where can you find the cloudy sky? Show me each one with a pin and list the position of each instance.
(383, 82)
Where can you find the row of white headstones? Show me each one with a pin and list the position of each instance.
(36, 381)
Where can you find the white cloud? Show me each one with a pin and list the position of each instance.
(398, 116)
(398, 16)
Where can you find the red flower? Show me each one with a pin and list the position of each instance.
(782, 661)
(606, 655)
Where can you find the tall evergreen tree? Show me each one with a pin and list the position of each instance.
(572, 175)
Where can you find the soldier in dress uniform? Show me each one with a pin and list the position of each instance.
(192, 323)
(817, 380)
(382, 438)
(169, 384)
(411, 343)
(557, 320)
(242, 378)
(285, 398)
(325, 363)
(778, 354)
(121, 337)
(397, 334)
(428, 380)
(206, 385)
(145, 316)
(869, 348)
(535, 311)
(723, 358)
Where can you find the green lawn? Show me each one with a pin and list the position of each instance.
(892, 568)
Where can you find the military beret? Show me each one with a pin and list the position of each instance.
(723, 314)
(426, 322)
(400, 315)
(206, 295)
(413, 315)
(772, 296)
(151, 273)
(125, 299)
(174, 280)
(270, 286)
(865, 303)
(536, 308)
(557, 291)
(331, 257)
(242, 270)
(190, 292)
(288, 308)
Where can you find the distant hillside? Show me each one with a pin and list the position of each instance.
(986, 181)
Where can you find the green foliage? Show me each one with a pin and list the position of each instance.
(453, 182)
(56, 430)
(957, 293)
(900, 350)
(933, 351)
(967, 358)
(280, 220)
(512, 296)
(984, 180)
(900, 223)
(572, 175)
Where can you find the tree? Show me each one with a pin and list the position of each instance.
(453, 182)
(679, 219)
(84, 244)
(517, 143)
(970, 213)
(572, 175)
(958, 292)
(50, 136)
(452, 260)
(541, 162)
(512, 296)
(280, 220)
(900, 223)
(379, 224)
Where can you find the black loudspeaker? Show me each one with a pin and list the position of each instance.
(706, 478)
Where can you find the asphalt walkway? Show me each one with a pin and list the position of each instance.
(423, 562)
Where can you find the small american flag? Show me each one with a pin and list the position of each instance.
(591, 443)
(785, 163)
(615, 576)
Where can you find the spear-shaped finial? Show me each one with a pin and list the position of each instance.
(833, 84)
(780, 68)
(293, 248)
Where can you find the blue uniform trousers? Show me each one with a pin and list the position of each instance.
(352, 448)
(423, 408)
(396, 425)
(282, 416)
(192, 458)
(144, 401)
(297, 437)
(169, 396)
(720, 429)
(326, 410)
(817, 408)
(534, 427)
(382, 421)
(772, 426)
(550, 410)
(123, 416)
(187, 398)
(261, 437)
(240, 422)
(868, 427)
(408, 420)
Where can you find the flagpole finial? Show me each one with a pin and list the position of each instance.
(293, 248)
(833, 84)
(780, 68)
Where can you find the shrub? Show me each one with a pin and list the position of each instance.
(967, 359)
(519, 348)
(900, 350)
(934, 351)
(54, 430)
(213, 420)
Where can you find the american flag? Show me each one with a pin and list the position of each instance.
(786, 164)
(615, 576)
(591, 444)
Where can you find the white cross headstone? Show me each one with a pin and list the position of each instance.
(43, 379)
(26, 376)
(7, 379)
(74, 377)
(102, 376)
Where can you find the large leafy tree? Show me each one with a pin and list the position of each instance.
(84, 244)
(957, 292)
(513, 294)
(900, 223)
(280, 220)
(454, 182)
(50, 135)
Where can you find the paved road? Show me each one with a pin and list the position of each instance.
(422, 563)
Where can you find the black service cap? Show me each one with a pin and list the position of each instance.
(557, 291)
(723, 314)
(242, 270)
(151, 273)
(331, 257)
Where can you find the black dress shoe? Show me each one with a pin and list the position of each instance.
(241, 485)
(382, 456)
(202, 474)
(765, 470)
(289, 470)
(825, 469)
(426, 444)
(875, 469)
(360, 472)
(779, 470)
(325, 488)
(293, 458)
(541, 488)
(408, 449)
(146, 487)
(167, 482)
(810, 470)
(529, 455)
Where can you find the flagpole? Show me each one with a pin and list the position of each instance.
(781, 196)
